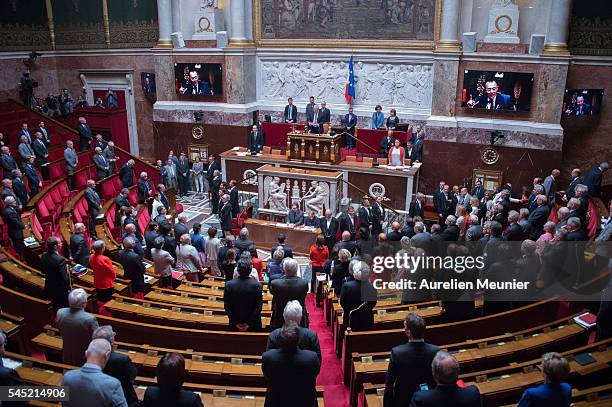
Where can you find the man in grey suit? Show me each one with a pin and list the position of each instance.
(169, 174)
(310, 109)
(90, 387)
(421, 238)
(109, 155)
(72, 160)
(550, 186)
(25, 150)
(75, 326)
(295, 216)
(287, 288)
(94, 205)
(102, 166)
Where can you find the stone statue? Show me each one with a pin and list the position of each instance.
(208, 4)
(315, 198)
(277, 198)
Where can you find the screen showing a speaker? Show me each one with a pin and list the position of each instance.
(497, 90)
(198, 79)
(582, 102)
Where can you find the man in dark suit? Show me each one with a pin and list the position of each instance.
(256, 140)
(119, 365)
(110, 156)
(493, 100)
(180, 228)
(441, 201)
(582, 109)
(310, 109)
(102, 165)
(295, 216)
(19, 188)
(329, 228)
(8, 376)
(445, 370)
(225, 215)
(24, 131)
(594, 177)
(346, 243)
(385, 144)
(57, 283)
(418, 146)
(13, 222)
(8, 162)
(417, 207)
(324, 114)
(85, 135)
(144, 188)
(308, 340)
(291, 372)
(287, 288)
(538, 217)
(34, 182)
(242, 300)
(316, 124)
(478, 191)
(290, 112)
(182, 169)
(170, 375)
(41, 153)
(215, 185)
(243, 242)
(349, 222)
(409, 151)
(133, 267)
(196, 86)
(79, 251)
(121, 201)
(395, 235)
(233, 193)
(365, 215)
(126, 174)
(99, 142)
(42, 128)
(514, 231)
(281, 243)
(358, 299)
(550, 186)
(94, 205)
(378, 216)
(350, 122)
(210, 169)
(409, 365)
(451, 232)
(576, 179)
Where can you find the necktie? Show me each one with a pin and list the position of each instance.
(290, 112)
(490, 104)
(103, 159)
(316, 118)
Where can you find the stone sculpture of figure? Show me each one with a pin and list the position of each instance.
(208, 4)
(277, 197)
(315, 198)
(504, 3)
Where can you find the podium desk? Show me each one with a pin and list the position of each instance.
(313, 147)
(265, 233)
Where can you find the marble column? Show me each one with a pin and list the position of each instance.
(164, 17)
(449, 38)
(558, 23)
(238, 23)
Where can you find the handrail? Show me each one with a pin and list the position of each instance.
(75, 132)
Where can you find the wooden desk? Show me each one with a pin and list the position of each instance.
(265, 234)
(313, 147)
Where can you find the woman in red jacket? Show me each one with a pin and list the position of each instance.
(396, 154)
(318, 256)
(103, 272)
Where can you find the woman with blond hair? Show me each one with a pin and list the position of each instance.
(340, 270)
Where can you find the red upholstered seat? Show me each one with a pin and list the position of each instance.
(57, 170)
(108, 190)
(81, 180)
(133, 197)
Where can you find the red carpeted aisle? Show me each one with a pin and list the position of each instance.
(336, 394)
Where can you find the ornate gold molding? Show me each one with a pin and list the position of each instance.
(51, 23)
(348, 43)
(241, 44)
(105, 22)
(448, 46)
(556, 49)
(164, 44)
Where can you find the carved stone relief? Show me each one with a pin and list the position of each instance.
(400, 85)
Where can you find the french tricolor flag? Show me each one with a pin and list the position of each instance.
(349, 92)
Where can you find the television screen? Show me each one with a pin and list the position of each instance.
(497, 90)
(147, 80)
(198, 79)
(582, 102)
